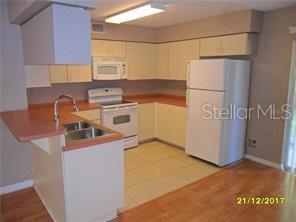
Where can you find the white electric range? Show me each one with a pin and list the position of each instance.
(116, 113)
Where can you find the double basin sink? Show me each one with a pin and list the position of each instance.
(83, 130)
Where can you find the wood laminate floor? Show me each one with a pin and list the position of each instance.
(212, 198)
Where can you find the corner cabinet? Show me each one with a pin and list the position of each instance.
(230, 45)
(146, 119)
(162, 62)
(141, 60)
(108, 48)
(173, 60)
(162, 121)
(170, 124)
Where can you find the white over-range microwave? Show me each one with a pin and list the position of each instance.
(106, 68)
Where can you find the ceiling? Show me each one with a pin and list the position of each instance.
(178, 11)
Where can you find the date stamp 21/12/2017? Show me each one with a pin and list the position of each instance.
(260, 200)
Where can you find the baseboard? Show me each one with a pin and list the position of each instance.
(16, 187)
(263, 161)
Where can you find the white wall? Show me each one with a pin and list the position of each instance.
(15, 156)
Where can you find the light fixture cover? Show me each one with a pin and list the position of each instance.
(135, 13)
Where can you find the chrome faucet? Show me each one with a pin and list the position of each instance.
(56, 102)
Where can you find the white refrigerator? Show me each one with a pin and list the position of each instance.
(221, 85)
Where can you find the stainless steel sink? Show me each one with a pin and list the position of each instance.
(88, 133)
(76, 126)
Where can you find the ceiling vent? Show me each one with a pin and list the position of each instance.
(97, 27)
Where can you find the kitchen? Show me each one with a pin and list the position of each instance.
(148, 68)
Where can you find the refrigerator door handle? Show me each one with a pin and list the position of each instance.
(188, 74)
(187, 107)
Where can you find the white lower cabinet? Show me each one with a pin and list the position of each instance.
(83, 184)
(93, 115)
(146, 120)
(178, 125)
(94, 183)
(162, 121)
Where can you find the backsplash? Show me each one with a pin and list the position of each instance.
(130, 87)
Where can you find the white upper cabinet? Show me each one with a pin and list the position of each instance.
(37, 76)
(70, 73)
(230, 45)
(79, 73)
(22, 10)
(141, 60)
(173, 60)
(108, 48)
(241, 44)
(187, 50)
(210, 46)
(162, 61)
(58, 73)
(59, 34)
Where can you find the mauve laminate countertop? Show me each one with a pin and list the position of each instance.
(37, 122)
(160, 98)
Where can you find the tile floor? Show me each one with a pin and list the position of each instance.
(155, 168)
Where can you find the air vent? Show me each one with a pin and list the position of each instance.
(97, 27)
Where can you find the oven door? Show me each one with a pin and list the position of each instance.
(105, 71)
(122, 119)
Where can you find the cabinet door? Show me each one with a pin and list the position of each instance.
(79, 73)
(146, 121)
(94, 114)
(210, 46)
(240, 44)
(187, 50)
(37, 76)
(141, 60)
(117, 48)
(178, 126)
(162, 121)
(58, 73)
(162, 61)
(100, 47)
(173, 60)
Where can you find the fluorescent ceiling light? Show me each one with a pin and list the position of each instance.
(136, 13)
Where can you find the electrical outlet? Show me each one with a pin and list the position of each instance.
(252, 143)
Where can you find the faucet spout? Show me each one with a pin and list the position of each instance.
(56, 103)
